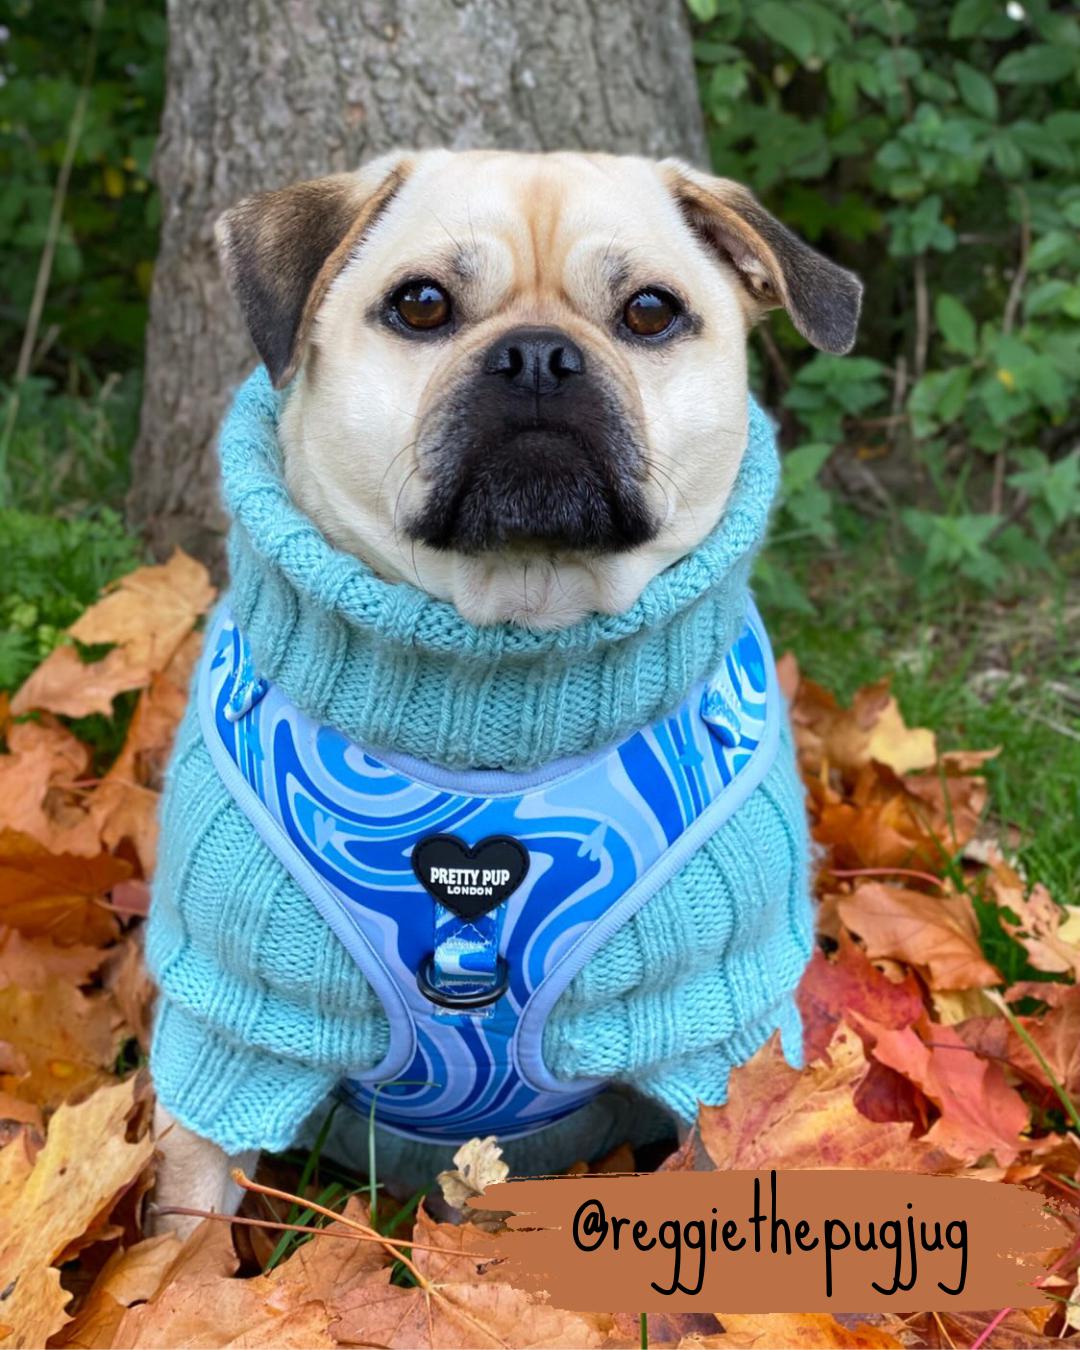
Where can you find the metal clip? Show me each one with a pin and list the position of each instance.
(479, 998)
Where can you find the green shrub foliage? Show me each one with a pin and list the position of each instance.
(96, 309)
(933, 148)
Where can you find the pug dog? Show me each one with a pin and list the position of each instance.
(515, 381)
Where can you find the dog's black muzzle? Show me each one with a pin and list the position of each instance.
(534, 450)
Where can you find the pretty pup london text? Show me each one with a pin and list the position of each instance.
(692, 1242)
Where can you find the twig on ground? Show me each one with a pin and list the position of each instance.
(280, 1224)
(885, 872)
(391, 1244)
(1018, 507)
(1055, 725)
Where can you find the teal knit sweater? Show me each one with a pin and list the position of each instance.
(262, 1012)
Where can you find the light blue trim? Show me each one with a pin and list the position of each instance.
(528, 1042)
(487, 782)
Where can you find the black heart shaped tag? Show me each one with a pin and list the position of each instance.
(470, 881)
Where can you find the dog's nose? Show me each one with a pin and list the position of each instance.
(534, 361)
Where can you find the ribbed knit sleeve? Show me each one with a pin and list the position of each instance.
(261, 1009)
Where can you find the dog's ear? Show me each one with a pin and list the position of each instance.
(776, 266)
(281, 250)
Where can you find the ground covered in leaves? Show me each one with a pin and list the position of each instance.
(942, 1016)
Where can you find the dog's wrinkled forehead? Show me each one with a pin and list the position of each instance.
(557, 228)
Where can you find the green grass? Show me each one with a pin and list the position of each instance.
(70, 448)
(981, 670)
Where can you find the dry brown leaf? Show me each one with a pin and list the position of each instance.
(465, 1251)
(776, 1116)
(827, 734)
(69, 1040)
(1049, 992)
(477, 1165)
(66, 684)
(129, 982)
(902, 748)
(953, 1006)
(1042, 927)
(948, 808)
(146, 615)
(622, 1331)
(849, 738)
(1057, 1035)
(39, 792)
(329, 1266)
(128, 1276)
(57, 896)
(797, 1331)
(50, 1201)
(198, 1304)
(1017, 1330)
(874, 826)
(30, 962)
(881, 819)
(124, 805)
(937, 934)
(474, 1315)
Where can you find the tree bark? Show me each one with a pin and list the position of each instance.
(261, 93)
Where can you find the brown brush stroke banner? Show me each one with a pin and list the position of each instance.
(703, 1241)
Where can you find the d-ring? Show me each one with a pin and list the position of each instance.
(481, 999)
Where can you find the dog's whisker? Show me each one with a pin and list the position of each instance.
(405, 449)
(397, 500)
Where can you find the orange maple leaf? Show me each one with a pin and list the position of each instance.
(144, 618)
(980, 1112)
(939, 934)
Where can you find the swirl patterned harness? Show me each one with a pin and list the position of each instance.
(468, 981)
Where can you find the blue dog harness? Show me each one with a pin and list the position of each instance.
(470, 900)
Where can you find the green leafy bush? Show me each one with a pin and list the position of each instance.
(934, 149)
(96, 309)
(53, 569)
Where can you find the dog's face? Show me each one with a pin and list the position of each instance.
(519, 381)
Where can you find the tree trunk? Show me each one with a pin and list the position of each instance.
(262, 93)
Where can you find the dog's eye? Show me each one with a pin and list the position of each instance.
(651, 312)
(421, 305)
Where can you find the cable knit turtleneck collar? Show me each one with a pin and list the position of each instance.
(395, 669)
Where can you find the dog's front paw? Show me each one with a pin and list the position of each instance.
(194, 1178)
